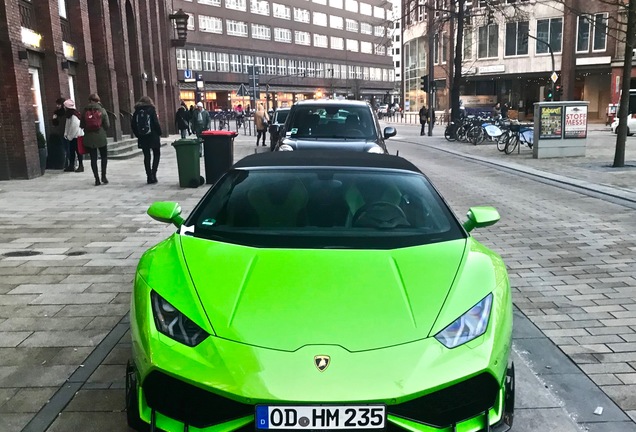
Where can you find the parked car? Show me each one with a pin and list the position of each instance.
(311, 292)
(276, 121)
(631, 125)
(334, 125)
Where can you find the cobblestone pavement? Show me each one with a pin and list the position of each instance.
(570, 257)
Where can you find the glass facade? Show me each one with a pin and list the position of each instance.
(415, 52)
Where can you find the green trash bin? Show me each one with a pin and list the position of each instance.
(188, 162)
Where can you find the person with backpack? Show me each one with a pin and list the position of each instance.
(72, 131)
(145, 125)
(182, 122)
(95, 122)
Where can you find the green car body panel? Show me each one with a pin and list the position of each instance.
(269, 312)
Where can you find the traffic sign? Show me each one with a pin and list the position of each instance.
(187, 76)
(554, 77)
(242, 91)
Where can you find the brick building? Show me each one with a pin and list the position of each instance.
(72, 48)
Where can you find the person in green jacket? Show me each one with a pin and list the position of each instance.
(95, 123)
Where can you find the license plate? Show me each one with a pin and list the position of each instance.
(321, 417)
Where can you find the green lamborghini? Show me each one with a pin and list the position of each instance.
(321, 291)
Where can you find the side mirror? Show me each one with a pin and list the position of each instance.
(389, 131)
(479, 217)
(166, 212)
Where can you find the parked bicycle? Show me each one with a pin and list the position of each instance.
(519, 135)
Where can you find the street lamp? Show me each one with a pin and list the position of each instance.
(180, 19)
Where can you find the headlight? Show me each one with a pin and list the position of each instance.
(376, 149)
(174, 324)
(467, 327)
(285, 147)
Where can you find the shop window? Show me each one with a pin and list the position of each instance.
(549, 31)
(517, 38)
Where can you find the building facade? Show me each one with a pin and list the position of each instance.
(503, 60)
(300, 49)
(119, 49)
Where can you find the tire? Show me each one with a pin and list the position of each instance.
(448, 133)
(502, 140)
(511, 144)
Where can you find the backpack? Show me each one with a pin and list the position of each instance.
(143, 122)
(93, 120)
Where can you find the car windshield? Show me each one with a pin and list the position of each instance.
(329, 121)
(280, 116)
(324, 208)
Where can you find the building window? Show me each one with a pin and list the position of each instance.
(351, 72)
(352, 25)
(235, 63)
(282, 35)
(436, 48)
(281, 11)
(301, 15)
(468, 43)
(247, 62)
(236, 5)
(351, 5)
(181, 59)
(321, 41)
(336, 22)
(550, 31)
(210, 24)
(61, 4)
(260, 31)
(271, 66)
(291, 67)
(301, 38)
(320, 19)
(282, 67)
(210, 2)
(223, 62)
(365, 73)
(335, 71)
(194, 60)
(378, 12)
(488, 45)
(366, 28)
(191, 21)
(600, 32)
(259, 7)
(337, 43)
(366, 47)
(208, 62)
(378, 31)
(583, 34)
(236, 28)
(380, 49)
(259, 64)
(366, 9)
(335, 4)
(352, 45)
(517, 38)
(322, 2)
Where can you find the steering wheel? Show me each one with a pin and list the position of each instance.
(379, 214)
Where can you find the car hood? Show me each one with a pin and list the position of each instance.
(288, 298)
(351, 144)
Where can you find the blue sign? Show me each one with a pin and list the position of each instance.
(187, 74)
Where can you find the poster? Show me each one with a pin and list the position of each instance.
(551, 122)
(575, 122)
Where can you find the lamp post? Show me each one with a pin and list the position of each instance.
(180, 19)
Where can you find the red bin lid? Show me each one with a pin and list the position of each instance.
(219, 133)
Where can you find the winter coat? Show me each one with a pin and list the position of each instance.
(72, 126)
(260, 120)
(423, 115)
(98, 138)
(59, 117)
(153, 139)
(182, 119)
(200, 121)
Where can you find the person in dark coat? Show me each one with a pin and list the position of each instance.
(95, 137)
(145, 125)
(423, 118)
(182, 121)
(56, 137)
(190, 115)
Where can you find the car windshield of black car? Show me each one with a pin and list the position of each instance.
(314, 121)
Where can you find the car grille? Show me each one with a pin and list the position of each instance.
(189, 404)
(197, 407)
(452, 404)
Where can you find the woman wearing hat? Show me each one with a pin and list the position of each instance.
(71, 132)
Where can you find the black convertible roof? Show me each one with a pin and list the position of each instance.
(310, 158)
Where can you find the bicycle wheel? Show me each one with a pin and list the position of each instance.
(449, 134)
(502, 140)
(512, 143)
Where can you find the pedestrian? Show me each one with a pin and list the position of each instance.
(504, 110)
(496, 111)
(145, 125)
(423, 118)
(72, 131)
(190, 115)
(56, 137)
(200, 120)
(181, 121)
(261, 120)
(95, 123)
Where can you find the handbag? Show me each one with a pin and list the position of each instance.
(80, 145)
